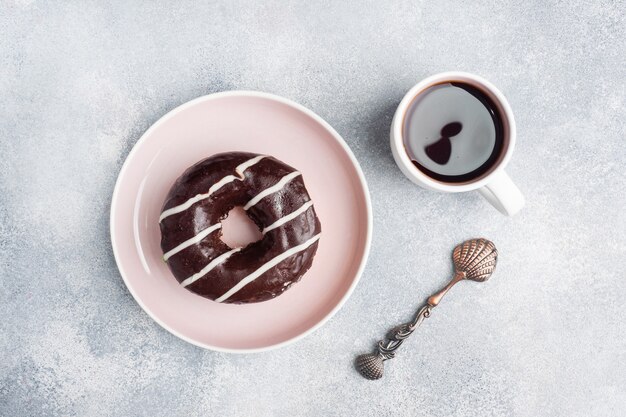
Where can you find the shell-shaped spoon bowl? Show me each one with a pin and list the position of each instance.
(475, 258)
(370, 365)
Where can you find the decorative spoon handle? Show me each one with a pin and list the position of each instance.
(474, 260)
(398, 334)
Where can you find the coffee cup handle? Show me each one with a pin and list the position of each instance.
(503, 194)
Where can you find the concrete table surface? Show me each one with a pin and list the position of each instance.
(80, 81)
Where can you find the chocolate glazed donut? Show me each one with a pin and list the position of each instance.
(274, 197)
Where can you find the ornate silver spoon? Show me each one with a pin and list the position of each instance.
(474, 260)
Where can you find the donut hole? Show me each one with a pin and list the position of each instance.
(238, 230)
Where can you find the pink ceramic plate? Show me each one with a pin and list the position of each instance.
(254, 122)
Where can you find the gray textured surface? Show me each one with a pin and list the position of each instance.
(81, 81)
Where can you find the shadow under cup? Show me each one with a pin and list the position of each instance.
(440, 114)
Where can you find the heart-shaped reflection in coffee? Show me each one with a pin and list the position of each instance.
(441, 150)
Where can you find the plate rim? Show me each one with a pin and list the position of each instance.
(336, 136)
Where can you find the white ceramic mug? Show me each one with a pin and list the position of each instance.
(495, 185)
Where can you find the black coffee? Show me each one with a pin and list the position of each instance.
(453, 132)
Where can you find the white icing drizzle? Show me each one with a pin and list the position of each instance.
(215, 262)
(271, 190)
(288, 217)
(242, 167)
(239, 170)
(197, 198)
(196, 239)
(267, 266)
